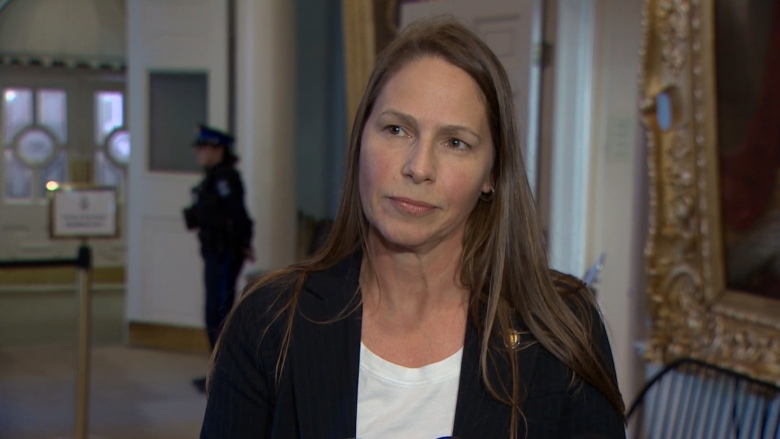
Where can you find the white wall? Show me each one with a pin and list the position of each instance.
(572, 148)
(617, 211)
(164, 280)
(265, 125)
(597, 172)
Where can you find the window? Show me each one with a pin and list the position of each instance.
(34, 135)
(112, 140)
(53, 112)
(17, 112)
(109, 114)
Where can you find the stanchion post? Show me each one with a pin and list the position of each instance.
(84, 264)
(83, 212)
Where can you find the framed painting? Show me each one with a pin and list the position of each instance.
(710, 104)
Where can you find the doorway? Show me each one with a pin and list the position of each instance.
(63, 126)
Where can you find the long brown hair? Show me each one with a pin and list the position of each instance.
(504, 262)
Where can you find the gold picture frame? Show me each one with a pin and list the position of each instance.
(359, 50)
(693, 313)
(369, 25)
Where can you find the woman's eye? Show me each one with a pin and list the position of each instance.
(457, 143)
(395, 130)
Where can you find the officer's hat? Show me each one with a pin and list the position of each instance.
(213, 137)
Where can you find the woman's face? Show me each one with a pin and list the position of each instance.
(426, 155)
(207, 155)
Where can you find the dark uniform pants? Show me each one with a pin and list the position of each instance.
(221, 272)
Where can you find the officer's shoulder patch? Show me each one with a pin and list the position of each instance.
(223, 188)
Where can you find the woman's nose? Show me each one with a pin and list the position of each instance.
(420, 163)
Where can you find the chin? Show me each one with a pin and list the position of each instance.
(402, 239)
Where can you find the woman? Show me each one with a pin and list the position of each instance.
(430, 311)
(222, 222)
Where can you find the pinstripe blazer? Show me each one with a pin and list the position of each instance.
(316, 394)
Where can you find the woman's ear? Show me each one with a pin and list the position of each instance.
(488, 185)
(488, 191)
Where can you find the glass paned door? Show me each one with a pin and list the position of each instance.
(17, 111)
(112, 140)
(34, 142)
(62, 127)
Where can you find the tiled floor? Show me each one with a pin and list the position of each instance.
(33, 318)
(135, 393)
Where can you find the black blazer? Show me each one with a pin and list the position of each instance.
(316, 394)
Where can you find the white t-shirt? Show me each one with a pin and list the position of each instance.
(410, 403)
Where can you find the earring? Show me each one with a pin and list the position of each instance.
(488, 196)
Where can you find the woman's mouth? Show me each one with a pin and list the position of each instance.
(411, 206)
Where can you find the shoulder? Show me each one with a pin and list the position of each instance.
(584, 317)
(250, 344)
(226, 171)
(262, 311)
(227, 181)
(560, 405)
(564, 396)
(580, 300)
(322, 293)
(568, 286)
(269, 293)
(338, 280)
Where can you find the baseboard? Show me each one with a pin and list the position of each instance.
(168, 337)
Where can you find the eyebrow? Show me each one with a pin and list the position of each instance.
(446, 129)
(405, 118)
(457, 129)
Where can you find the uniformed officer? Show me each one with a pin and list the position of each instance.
(223, 225)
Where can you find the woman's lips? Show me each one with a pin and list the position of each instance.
(411, 206)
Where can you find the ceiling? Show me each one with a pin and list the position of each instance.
(63, 32)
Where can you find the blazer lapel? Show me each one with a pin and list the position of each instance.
(478, 414)
(325, 353)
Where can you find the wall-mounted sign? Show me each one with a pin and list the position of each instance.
(83, 212)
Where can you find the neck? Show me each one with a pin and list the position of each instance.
(411, 284)
(211, 166)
